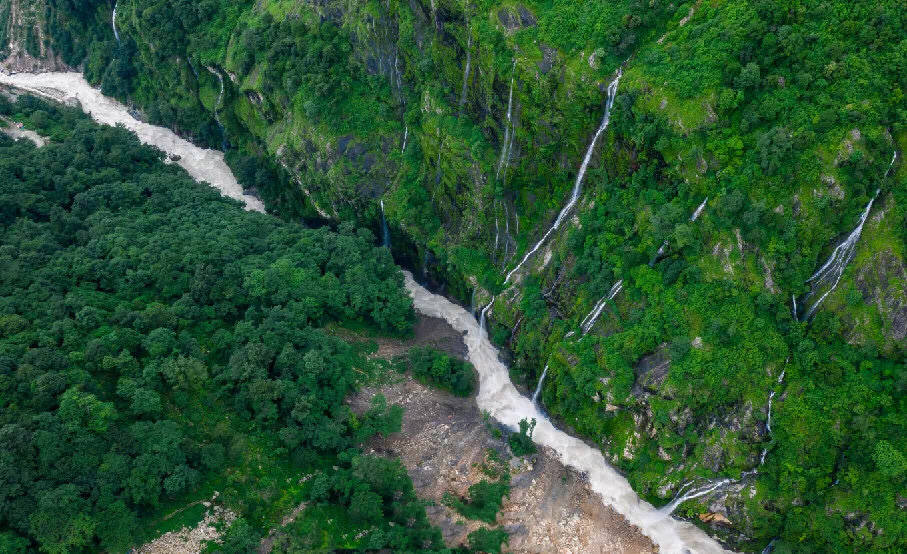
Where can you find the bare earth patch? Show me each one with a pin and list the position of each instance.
(444, 440)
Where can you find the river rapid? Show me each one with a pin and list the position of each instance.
(497, 394)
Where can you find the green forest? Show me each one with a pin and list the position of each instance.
(469, 120)
(159, 343)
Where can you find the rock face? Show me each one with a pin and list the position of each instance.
(882, 281)
(443, 442)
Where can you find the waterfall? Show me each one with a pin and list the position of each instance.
(405, 136)
(793, 299)
(699, 210)
(894, 157)
(833, 269)
(694, 217)
(578, 186)
(468, 65)
(385, 230)
(114, 21)
(505, 146)
(771, 546)
(496, 395)
(483, 319)
(768, 421)
(218, 105)
(690, 493)
(497, 228)
(538, 388)
(592, 316)
(507, 237)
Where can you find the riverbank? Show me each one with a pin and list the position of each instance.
(497, 395)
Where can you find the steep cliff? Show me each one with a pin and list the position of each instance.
(470, 120)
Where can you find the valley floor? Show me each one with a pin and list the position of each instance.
(443, 442)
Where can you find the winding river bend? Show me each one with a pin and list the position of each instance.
(497, 394)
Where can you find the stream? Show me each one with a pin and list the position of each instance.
(497, 394)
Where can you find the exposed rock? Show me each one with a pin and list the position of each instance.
(651, 371)
(714, 518)
(514, 19)
(882, 281)
(549, 56)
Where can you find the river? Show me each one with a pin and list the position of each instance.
(497, 394)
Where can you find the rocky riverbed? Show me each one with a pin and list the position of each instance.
(443, 442)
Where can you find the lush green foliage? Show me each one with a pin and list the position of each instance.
(521, 443)
(483, 502)
(154, 334)
(436, 368)
(487, 540)
(783, 114)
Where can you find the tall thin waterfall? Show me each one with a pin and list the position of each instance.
(538, 388)
(218, 105)
(405, 136)
(793, 299)
(505, 146)
(497, 227)
(693, 218)
(578, 186)
(894, 157)
(592, 316)
(385, 230)
(468, 56)
(833, 269)
(496, 395)
(113, 21)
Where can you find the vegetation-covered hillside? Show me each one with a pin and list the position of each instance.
(159, 343)
(470, 119)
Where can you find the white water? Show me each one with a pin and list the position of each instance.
(894, 157)
(833, 269)
(505, 146)
(538, 388)
(218, 105)
(694, 217)
(592, 316)
(691, 493)
(467, 67)
(497, 395)
(578, 186)
(500, 399)
(202, 164)
(385, 230)
(793, 299)
(405, 136)
(113, 21)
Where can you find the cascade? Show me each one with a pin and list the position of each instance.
(833, 269)
(793, 299)
(385, 230)
(538, 388)
(694, 217)
(468, 65)
(505, 146)
(114, 21)
(218, 105)
(496, 395)
(507, 237)
(894, 157)
(405, 136)
(578, 186)
(592, 316)
(694, 492)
